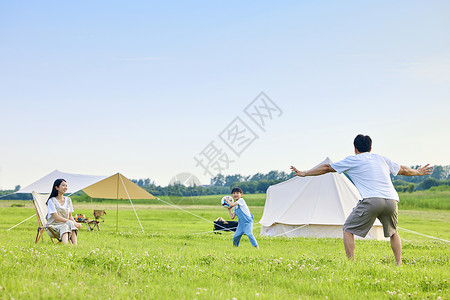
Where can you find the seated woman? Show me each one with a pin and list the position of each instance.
(61, 223)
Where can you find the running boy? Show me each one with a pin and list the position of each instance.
(245, 224)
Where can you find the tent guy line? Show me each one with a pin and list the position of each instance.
(189, 212)
(26, 218)
(20, 222)
(283, 233)
(226, 229)
(132, 204)
(7, 195)
(418, 233)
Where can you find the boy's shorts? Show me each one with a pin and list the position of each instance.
(361, 219)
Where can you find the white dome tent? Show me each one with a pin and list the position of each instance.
(315, 206)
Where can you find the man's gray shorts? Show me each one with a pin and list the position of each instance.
(363, 216)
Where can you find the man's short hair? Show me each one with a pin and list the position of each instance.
(237, 189)
(362, 143)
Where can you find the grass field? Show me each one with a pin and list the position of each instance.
(178, 257)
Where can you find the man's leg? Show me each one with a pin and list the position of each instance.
(396, 245)
(389, 220)
(359, 221)
(349, 243)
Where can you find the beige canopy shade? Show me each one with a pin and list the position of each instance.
(118, 187)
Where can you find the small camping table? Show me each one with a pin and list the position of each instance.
(91, 224)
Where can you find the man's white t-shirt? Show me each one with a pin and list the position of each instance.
(243, 206)
(370, 173)
(52, 209)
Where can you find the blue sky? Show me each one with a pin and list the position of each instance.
(142, 87)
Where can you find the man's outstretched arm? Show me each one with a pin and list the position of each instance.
(319, 170)
(420, 171)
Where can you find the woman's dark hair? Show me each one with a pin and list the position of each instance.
(54, 192)
(362, 143)
(236, 189)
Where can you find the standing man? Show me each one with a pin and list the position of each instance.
(371, 175)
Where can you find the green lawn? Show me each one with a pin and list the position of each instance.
(178, 257)
(429, 199)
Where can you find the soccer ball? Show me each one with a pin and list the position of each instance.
(224, 202)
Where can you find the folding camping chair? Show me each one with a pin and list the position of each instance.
(98, 215)
(39, 201)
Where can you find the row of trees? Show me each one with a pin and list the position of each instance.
(249, 187)
(229, 180)
(439, 173)
(439, 177)
(403, 186)
(10, 194)
(220, 184)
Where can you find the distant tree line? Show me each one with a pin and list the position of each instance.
(10, 195)
(220, 184)
(439, 177)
